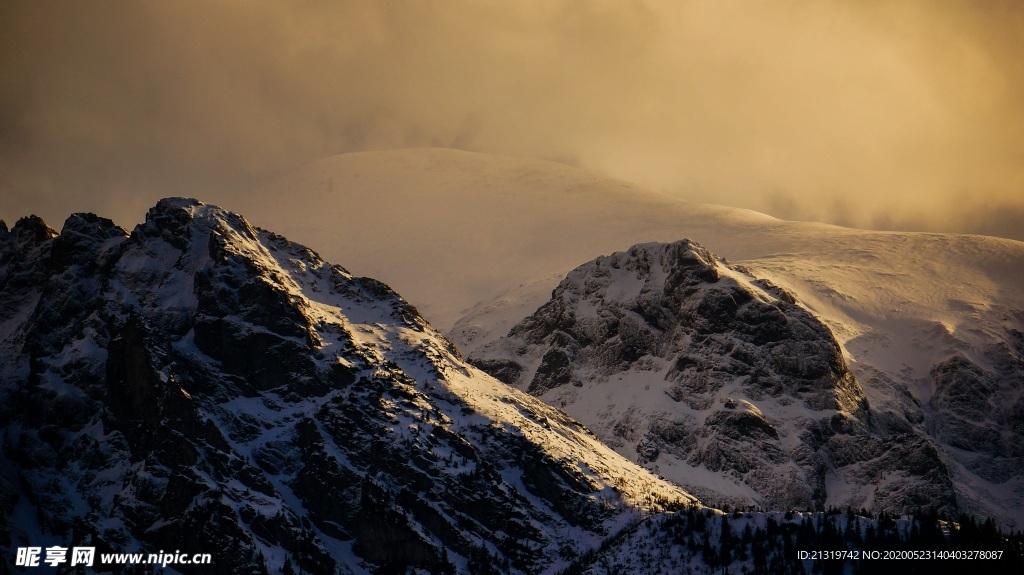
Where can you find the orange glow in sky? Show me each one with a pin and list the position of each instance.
(890, 115)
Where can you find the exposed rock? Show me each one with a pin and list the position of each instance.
(698, 369)
(84, 240)
(205, 386)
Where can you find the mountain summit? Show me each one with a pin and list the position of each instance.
(724, 383)
(206, 386)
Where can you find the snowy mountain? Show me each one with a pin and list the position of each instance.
(921, 319)
(203, 385)
(721, 382)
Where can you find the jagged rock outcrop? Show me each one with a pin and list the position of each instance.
(205, 386)
(717, 380)
(978, 413)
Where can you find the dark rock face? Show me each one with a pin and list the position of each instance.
(555, 370)
(979, 411)
(83, 241)
(963, 392)
(205, 386)
(505, 371)
(685, 363)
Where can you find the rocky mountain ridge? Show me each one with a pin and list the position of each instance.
(204, 385)
(722, 382)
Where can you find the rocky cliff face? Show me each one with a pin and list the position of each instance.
(205, 386)
(723, 383)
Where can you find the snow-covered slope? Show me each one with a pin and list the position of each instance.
(480, 241)
(211, 387)
(721, 382)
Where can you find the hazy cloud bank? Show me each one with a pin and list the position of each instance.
(870, 114)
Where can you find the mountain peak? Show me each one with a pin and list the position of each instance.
(85, 240)
(201, 380)
(711, 377)
(684, 252)
(178, 220)
(642, 301)
(31, 230)
(178, 202)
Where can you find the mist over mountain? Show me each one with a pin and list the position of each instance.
(204, 385)
(881, 115)
(686, 286)
(919, 318)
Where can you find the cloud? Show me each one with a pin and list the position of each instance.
(858, 111)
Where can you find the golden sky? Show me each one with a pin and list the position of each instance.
(870, 113)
